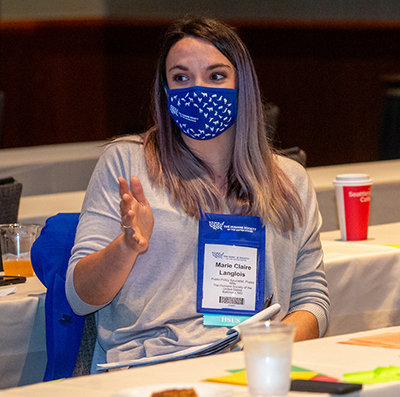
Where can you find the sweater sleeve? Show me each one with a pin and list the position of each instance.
(99, 222)
(309, 288)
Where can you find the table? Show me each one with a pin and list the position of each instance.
(50, 169)
(387, 234)
(22, 335)
(385, 205)
(66, 168)
(323, 355)
(364, 280)
(376, 303)
(36, 209)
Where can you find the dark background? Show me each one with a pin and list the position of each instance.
(85, 80)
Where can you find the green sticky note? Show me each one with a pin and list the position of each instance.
(233, 371)
(378, 375)
(222, 320)
(295, 368)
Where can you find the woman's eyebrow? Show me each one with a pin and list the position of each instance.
(218, 65)
(180, 67)
(209, 67)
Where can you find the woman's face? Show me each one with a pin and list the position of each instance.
(195, 62)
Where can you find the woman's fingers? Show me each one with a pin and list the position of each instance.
(123, 186)
(137, 190)
(126, 197)
(136, 213)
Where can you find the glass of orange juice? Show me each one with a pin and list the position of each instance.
(16, 241)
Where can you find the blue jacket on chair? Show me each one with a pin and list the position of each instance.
(50, 254)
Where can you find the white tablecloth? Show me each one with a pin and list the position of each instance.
(44, 170)
(364, 290)
(363, 280)
(67, 168)
(36, 209)
(51, 168)
(22, 335)
(322, 355)
(387, 234)
(385, 191)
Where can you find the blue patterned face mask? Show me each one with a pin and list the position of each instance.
(202, 112)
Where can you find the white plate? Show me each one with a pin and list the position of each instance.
(202, 390)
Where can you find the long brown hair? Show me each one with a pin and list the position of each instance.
(256, 184)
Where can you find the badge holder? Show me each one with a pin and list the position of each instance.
(231, 258)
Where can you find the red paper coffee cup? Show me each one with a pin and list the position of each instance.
(353, 196)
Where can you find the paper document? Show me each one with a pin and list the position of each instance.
(7, 291)
(232, 337)
(387, 339)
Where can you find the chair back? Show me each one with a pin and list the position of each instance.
(296, 154)
(1, 117)
(10, 197)
(50, 255)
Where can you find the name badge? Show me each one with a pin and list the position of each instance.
(231, 270)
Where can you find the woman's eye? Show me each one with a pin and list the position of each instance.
(180, 78)
(217, 76)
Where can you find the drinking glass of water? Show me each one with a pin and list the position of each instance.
(268, 355)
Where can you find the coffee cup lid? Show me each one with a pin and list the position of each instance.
(352, 180)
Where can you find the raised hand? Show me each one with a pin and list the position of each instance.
(136, 214)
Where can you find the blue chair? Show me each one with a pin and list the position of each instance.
(50, 255)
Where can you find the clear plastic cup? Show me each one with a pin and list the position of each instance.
(16, 241)
(268, 356)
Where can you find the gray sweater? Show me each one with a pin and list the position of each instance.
(155, 311)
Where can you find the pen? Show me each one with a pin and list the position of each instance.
(268, 302)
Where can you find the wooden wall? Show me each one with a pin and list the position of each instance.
(84, 80)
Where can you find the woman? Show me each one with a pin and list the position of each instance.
(135, 256)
